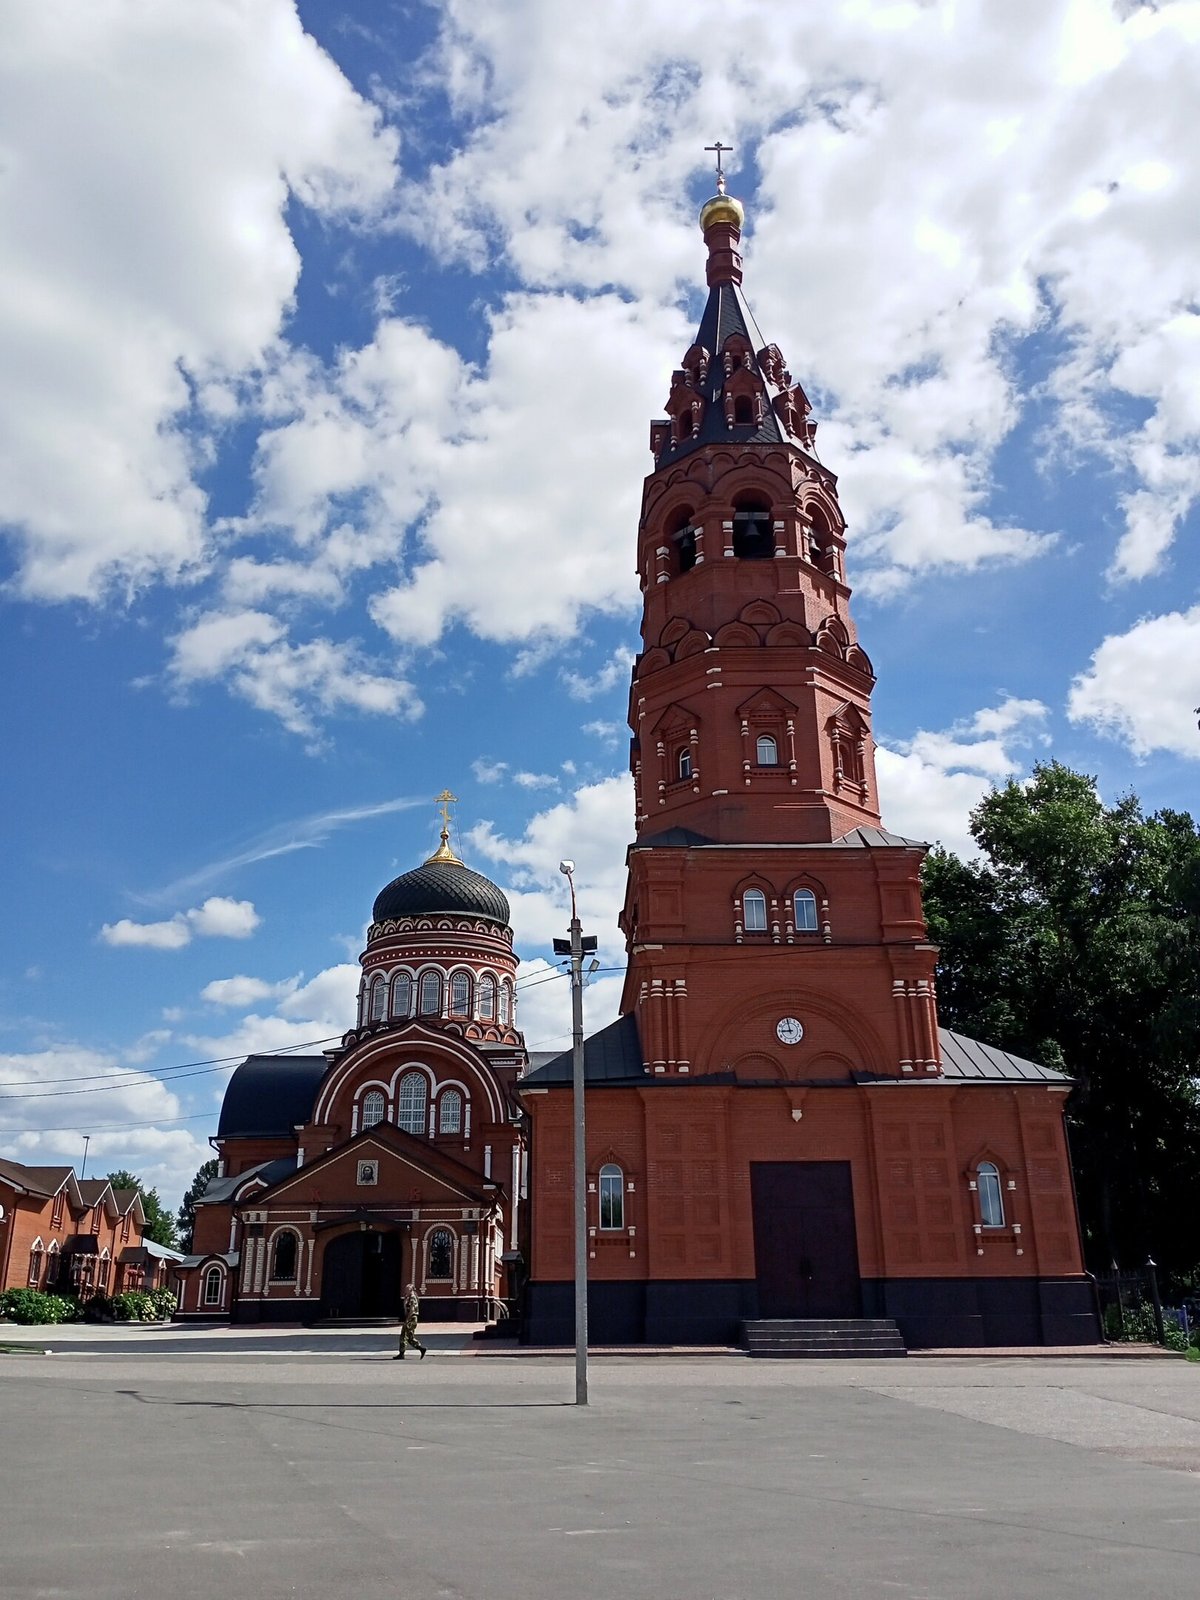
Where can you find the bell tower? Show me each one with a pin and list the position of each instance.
(758, 823)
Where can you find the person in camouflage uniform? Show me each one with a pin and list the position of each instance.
(408, 1331)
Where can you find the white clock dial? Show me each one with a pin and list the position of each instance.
(789, 1030)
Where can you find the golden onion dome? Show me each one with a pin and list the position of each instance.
(722, 208)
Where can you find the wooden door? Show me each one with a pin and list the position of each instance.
(805, 1246)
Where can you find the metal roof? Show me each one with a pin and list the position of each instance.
(614, 1055)
(270, 1095)
(220, 1189)
(972, 1060)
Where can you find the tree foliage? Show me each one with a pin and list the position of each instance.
(187, 1211)
(1075, 940)
(160, 1224)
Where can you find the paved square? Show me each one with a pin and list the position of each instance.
(309, 1464)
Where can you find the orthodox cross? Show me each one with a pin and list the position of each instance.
(718, 150)
(443, 802)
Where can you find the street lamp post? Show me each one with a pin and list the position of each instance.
(576, 947)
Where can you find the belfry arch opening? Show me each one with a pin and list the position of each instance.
(683, 540)
(753, 531)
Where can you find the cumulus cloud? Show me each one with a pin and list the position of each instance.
(219, 917)
(146, 265)
(42, 1126)
(306, 1013)
(1143, 686)
(929, 784)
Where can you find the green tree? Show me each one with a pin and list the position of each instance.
(160, 1224)
(1075, 940)
(187, 1211)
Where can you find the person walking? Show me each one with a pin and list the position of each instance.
(408, 1330)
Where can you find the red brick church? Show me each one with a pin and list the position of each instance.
(778, 1130)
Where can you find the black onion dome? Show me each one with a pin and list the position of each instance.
(441, 886)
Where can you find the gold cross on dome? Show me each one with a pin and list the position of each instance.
(443, 852)
(719, 150)
(443, 802)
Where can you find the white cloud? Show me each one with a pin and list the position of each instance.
(488, 771)
(1144, 686)
(218, 918)
(146, 259)
(929, 784)
(535, 780)
(41, 1126)
(593, 827)
(293, 682)
(243, 991)
(615, 671)
(321, 1009)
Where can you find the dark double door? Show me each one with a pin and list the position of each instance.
(362, 1275)
(805, 1246)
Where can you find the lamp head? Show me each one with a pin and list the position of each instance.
(566, 867)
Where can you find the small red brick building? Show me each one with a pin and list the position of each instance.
(396, 1157)
(777, 1126)
(72, 1237)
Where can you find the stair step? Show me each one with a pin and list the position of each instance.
(814, 1338)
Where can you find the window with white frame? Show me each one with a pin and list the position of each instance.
(413, 1098)
(441, 1254)
(487, 998)
(683, 764)
(754, 911)
(374, 1108)
(212, 1286)
(506, 1003)
(53, 1263)
(401, 994)
(460, 994)
(284, 1257)
(35, 1264)
(105, 1268)
(450, 1110)
(991, 1196)
(805, 903)
(429, 1001)
(612, 1197)
(379, 1000)
(766, 750)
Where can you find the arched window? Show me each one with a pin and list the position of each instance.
(685, 423)
(754, 911)
(285, 1255)
(374, 1107)
(743, 410)
(506, 1003)
(805, 902)
(53, 1263)
(441, 1254)
(35, 1263)
(379, 1000)
(410, 1113)
(766, 750)
(429, 1002)
(612, 1197)
(753, 532)
(683, 763)
(683, 537)
(213, 1286)
(991, 1197)
(401, 994)
(487, 998)
(450, 1105)
(460, 994)
(105, 1268)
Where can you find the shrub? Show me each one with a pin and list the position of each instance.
(98, 1309)
(164, 1303)
(135, 1305)
(1140, 1327)
(32, 1306)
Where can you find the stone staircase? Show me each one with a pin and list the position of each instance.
(844, 1338)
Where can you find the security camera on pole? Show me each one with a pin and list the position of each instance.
(577, 947)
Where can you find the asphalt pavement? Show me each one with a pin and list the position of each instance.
(137, 1466)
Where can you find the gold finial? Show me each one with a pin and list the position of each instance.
(443, 852)
(722, 207)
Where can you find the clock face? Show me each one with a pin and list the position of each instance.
(789, 1030)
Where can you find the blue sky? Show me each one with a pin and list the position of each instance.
(329, 340)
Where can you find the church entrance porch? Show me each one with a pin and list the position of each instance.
(362, 1275)
(805, 1247)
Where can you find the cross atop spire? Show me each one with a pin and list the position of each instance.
(443, 852)
(719, 150)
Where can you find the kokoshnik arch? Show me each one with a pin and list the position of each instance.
(777, 1126)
